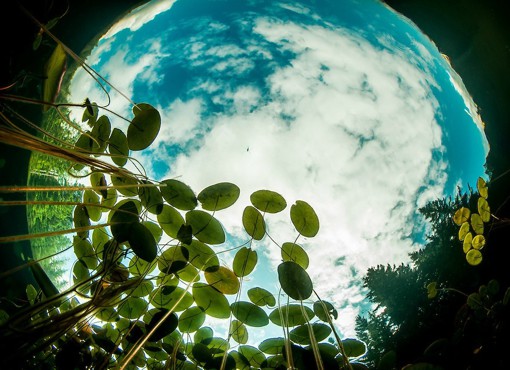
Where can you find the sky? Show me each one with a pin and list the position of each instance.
(345, 105)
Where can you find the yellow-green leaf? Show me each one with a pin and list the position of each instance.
(477, 223)
(474, 257)
(54, 71)
(466, 245)
(484, 209)
(463, 231)
(481, 185)
(478, 242)
(223, 279)
(461, 215)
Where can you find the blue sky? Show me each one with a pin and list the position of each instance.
(342, 104)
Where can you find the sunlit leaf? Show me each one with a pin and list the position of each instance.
(291, 314)
(85, 252)
(300, 334)
(143, 289)
(54, 72)
(132, 308)
(218, 196)
(189, 274)
(118, 147)
(461, 215)
(109, 200)
(463, 230)
(253, 223)
(211, 300)
(245, 261)
(142, 242)
(261, 297)
(431, 290)
(478, 242)
(203, 335)
(223, 279)
(324, 309)
(249, 314)
(242, 362)
(294, 280)
(101, 133)
(205, 227)
(304, 219)
(178, 194)
(138, 266)
(98, 179)
(144, 127)
(238, 332)
(272, 346)
(477, 223)
(474, 257)
(80, 272)
(81, 219)
(295, 253)
(173, 259)
(191, 320)
(268, 201)
(354, 347)
(202, 256)
(170, 220)
(108, 314)
(254, 356)
(151, 198)
(483, 190)
(31, 293)
(466, 245)
(155, 230)
(484, 209)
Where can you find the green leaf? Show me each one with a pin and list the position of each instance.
(253, 223)
(90, 196)
(54, 72)
(238, 332)
(178, 194)
(98, 179)
(165, 328)
(478, 242)
(143, 289)
(291, 314)
(202, 256)
(261, 297)
(294, 280)
(223, 279)
(219, 196)
(295, 253)
(304, 219)
(467, 243)
(203, 335)
(151, 198)
(463, 230)
(118, 147)
(249, 314)
(127, 186)
(109, 200)
(173, 259)
(272, 346)
(474, 301)
(268, 201)
(85, 252)
(170, 221)
(168, 296)
(81, 219)
(133, 308)
(484, 210)
(185, 234)
(474, 257)
(461, 215)
(205, 227)
(245, 261)
(191, 320)
(211, 300)
(477, 223)
(201, 352)
(142, 242)
(155, 230)
(323, 314)
(144, 127)
(31, 293)
(300, 334)
(354, 347)
(254, 356)
(481, 185)
(431, 290)
(90, 112)
(101, 133)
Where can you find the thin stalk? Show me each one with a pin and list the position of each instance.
(313, 340)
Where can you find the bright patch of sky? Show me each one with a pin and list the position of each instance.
(343, 104)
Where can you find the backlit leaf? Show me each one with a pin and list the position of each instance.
(294, 280)
(127, 186)
(238, 332)
(151, 198)
(191, 320)
(463, 230)
(261, 297)
(304, 219)
(324, 309)
(132, 308)
(272, 346)
(118, 147)
(253, 223)
(245, 261)
(291, 314)
(155, 230)
(178, 194)
(295, 253)
(478, 242)
(254, 356)
(142, 242)
(202, 256)
(300, 335)
(484, 210)
(90, 196)
(54, 72)
(249, 314)
(461, 215)
(205, 227)
(354, 347)
(466, 245)
(223, 279)
(167, 326)
(144, 127)
(431, 290)
(168, 298)
(170, 221)
(218, 196)
(268, 201)
(101, 133)
(213, 302)
(173, 259)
